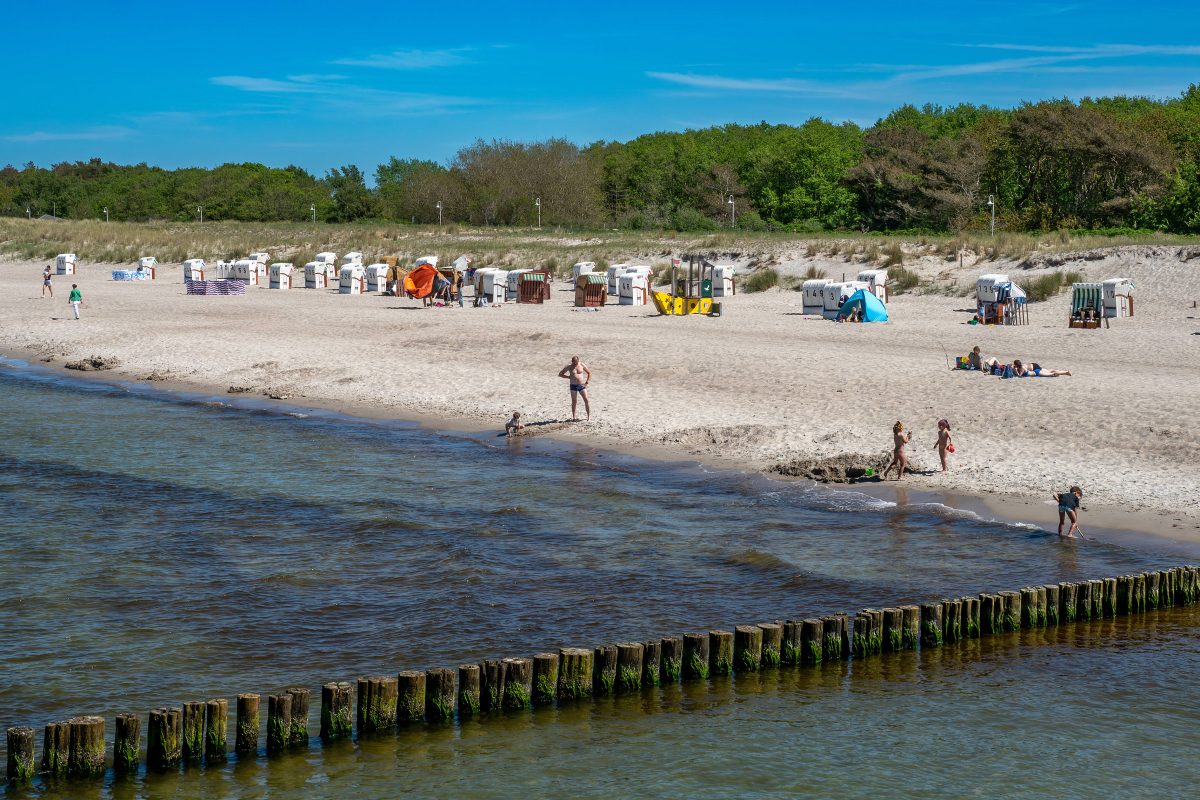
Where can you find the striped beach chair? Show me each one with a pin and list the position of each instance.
(533, 287)
(591, 290)
(1087, 305)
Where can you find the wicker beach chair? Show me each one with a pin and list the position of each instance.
(533, 287)
(591, 290)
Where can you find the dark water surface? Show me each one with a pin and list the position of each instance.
(155, 549)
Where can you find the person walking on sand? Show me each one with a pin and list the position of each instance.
(579, 375)
(47, 281)
(899, 457)
(76, 299)
(1068, 507)
(944, 444)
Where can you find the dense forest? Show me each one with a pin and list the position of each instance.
(1121, 162)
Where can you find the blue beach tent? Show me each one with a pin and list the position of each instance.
(870, 307)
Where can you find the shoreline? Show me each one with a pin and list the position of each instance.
(1129, 528)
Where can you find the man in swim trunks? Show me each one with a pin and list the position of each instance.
(579, 375)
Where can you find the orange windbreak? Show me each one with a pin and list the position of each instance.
(419, 282)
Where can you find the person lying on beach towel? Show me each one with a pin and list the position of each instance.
(1035, 371)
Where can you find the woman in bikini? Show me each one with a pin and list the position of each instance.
(899, 458)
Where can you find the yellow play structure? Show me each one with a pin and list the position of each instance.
(692, 294)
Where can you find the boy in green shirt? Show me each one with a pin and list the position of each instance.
(75, 299)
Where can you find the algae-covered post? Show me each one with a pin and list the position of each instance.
(376, 704)
(439, 694)
(299, 731)
(720, 653)
(951, 620)
(831, 638)
(1012, 610)
(192, 747)
(336, 720)
(1068, 597)
(630, 656)
(85, 758)
(1097, 599)
(468, 690)
(127, 742)
(893, 630)
(695, 656)
(988, 613)
(518, 684)
(20, 755)
(604, 670)
(1028, 607)
(1053, 603)
(789, 647)
(491, 684)
(574, 673)
(747, 648)
(545, 679)
(910, 633)
(812, 635)
(56, 745)
(216, 730)
(652, 662)
(245, 742)
(932, 634)
(279, 723)
(410, 696)
(672, 659)
(164, 732)
(772, 644)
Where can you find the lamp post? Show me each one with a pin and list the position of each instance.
(992, 206)
(538, 203)
(106, 213)
(732, 213)
(200, 212)
(439, 208)
(28, 212)
(313, 208)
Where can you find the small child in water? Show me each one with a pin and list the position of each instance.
(943, 444)
(514, 425)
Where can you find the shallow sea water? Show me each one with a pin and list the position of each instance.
(158, 548)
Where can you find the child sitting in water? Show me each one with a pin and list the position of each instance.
(514, 425)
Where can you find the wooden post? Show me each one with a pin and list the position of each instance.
(279, 723)
(1109, 598)
(772, 644)
(336, 720)
(192, 746)
(893, 626)
(1052, 604)
(932, 632)
(720, 653)
(491, 685)
(630, 657)
(1139, 593)
(439, 694)
(1097, 599)
(56, 747)
(299, 732)
(789, 651)
(574, 673)
(672, 659)
(1028, 607)
(216, 730)
(747, 648)
(1068, 600)
(604, 670)
(410, 697)
(245, 741)
(987, 613)
(860, 643)
(812, 638)
(1085, 603)
(376, 704)
(86, 756)
(21, 767)
(164, 734)
(1166, 588)
(127, 742)
(1012, 610)
(833, 645)
(695, 657)
(910, 633)
(972, 622)
(1153, 581)
(545, 678)
(469, 690)
(652, 662)
(951, 620)
(518, 684)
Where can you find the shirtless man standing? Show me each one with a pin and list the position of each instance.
(579, 376)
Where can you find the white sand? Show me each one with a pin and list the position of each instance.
(759, 385)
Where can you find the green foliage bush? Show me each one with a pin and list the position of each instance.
(1043, 287)
(761, 280)
(901, 280)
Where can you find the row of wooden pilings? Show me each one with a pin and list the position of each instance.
(198, 731)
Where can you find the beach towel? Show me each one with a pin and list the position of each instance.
(419, 283)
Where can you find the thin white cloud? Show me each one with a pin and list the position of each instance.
(266, 85)
(1098, 50)
(332, 92)
(408, 59)
(96, 134)
(769, 85)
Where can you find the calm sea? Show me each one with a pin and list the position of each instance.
(156, 548)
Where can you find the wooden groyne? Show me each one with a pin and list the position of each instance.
(197, 732)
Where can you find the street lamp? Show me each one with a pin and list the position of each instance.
(732, 212)
(313, 208)
(200, 211)
(106, 213)
(439, 208)
(992, 206)
(28, 213)
(538, 203)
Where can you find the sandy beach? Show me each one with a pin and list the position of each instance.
(757, 387)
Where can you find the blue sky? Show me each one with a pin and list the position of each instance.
(323, 84)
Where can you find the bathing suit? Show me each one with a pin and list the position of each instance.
(577, 387)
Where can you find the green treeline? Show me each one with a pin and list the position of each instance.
(1117, 162)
